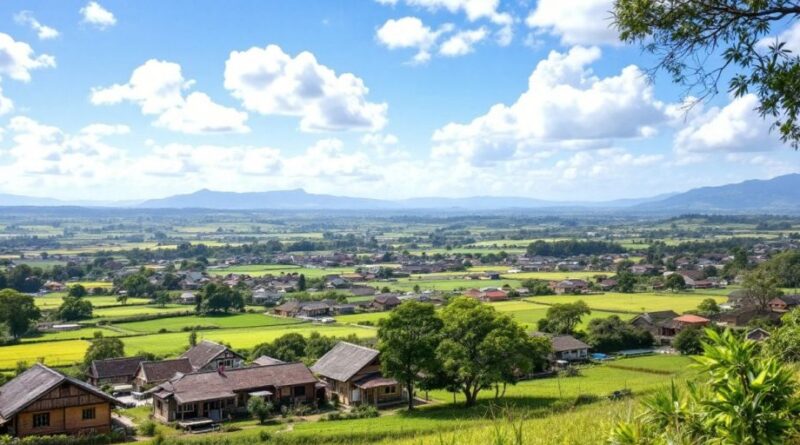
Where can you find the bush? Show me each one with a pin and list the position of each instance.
(147, 428)
(97, 439)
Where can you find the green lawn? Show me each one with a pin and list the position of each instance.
(221, 321)
(636, 302)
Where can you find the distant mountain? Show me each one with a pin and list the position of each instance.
(7, 200)
(777, 196)
(284, 199)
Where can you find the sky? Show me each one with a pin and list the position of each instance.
(136, 99)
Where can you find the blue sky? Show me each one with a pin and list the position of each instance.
(391, 98)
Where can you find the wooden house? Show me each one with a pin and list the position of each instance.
(150, 374)
(209, 356)
(113, 371)
(214, 395)
(42, 401)
(352, 373)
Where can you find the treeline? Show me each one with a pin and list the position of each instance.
(573, 247)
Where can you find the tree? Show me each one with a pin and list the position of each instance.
(216, 298)
(675, 282)
(288, 348)
(688, 37)
(77, 291)
(537, 287)
(102, 348)
(689, 341)
(193, 339)
(162, 298)
(478, 347)
(301, 283)
(407, 340)
(317, 345)
(17, 312)
(760, 287)
(614, 334)
(259, 408)
(563, 318)
(137, 285)
(24, 278)
(743, 397)
(74, 308)
(708, 308)
(626, 282)
(784, 341)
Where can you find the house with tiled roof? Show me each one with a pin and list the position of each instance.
(113, 371)
(151, 373)
(208, 356)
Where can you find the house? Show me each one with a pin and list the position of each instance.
(54, 286)
(570, 287)
(669, 329)
(208, 356)
(607, 284)
(266, 360)
(385, 302)
(288, 309)
(784, 303)
(266, 297)
(217, 394)
(492, 295)
(743, 316)
(302, 309)
(352, 373)
(42, 401)
(691, 320)
(150, 374)
(569, 348)
(757, 334)
(187, 298)
(655, 322)
(119, 371)
(362, 291)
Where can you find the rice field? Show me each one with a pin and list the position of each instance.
(635, 302)
(174, 324)
(54, 300)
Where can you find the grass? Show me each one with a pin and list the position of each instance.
(260, 270)
(54, 300)
(174, 324)
(83, 333)
(636, 302)
(407, 284)
(133, 310)
(555, 276)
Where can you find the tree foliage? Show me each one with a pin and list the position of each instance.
(614, 334)
(564, 318)
(102, 348)
(74, 308)
(18, 312)
(697, 42)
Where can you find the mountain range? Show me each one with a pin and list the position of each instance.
(776, 196)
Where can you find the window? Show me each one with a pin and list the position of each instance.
(41, 420)
(389, 390)
(88, 414)
(299, 391)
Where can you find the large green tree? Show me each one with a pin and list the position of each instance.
(480, 347)
(215, 298)
(760, 286)
(102, 348)
(699, 43)
(288, 347)
(407, 340)
(74, 308)
(17, 311)
(564, 318)
(613, 334)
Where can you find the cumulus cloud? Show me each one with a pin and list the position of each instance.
(473, 9)
(575, 22)
(98, 16)
(6, 104)
(565, 107)
(17, 59)
(736, 127)
(790, 37)
(271, 82)
(410, 32)
(462, 42)
(158, 88)
(42, 31)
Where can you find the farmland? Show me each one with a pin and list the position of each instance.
(633, 302)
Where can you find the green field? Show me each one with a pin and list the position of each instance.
(277, 269)
(636, 302)
(174, 324)
(133, 310)
(555, 276)
(54, 300)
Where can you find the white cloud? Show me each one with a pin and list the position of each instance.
(790, 36)
(474, 9)
(462, 42)
(6, 104)
(158, 88)
(17, 59)
(737, 127)
(98, 16)
(271, 82)
(410, 32)
(42, 31)
(565, 107)
(576, 22)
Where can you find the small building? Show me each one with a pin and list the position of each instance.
(352, 373)
(214, 395)
(385, 302)
(655, 323)
(154, 373)
(266, 360)
(267, 297)
(757, 334)
(113, 371)
(493, 295)
(784, 303)
(569, 348)
(187, 298)
(42, 401)
(571, 287)
(209, 356)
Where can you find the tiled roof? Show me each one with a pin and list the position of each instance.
(202, 353)
(165, 369)
(114, 367)
(344, 361)
(567, 343)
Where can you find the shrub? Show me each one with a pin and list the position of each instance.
(147, 428)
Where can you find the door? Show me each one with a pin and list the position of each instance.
(356, 395)
(212, 410)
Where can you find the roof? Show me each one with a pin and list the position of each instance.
(267, 360)
(790, 299)
(212, 385)
(344, 361)
(114, 367)
(386, 299)
(32, 384)
(375, 381)
(165, 369)
(691, 319)
(567, 343)
(202, 353)
(656, 316)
